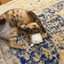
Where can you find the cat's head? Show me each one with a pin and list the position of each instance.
(33, 27)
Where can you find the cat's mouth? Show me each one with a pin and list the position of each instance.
(34, 30)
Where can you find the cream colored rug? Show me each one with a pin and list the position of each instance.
(51, 50)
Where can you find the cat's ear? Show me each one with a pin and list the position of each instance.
(2, 21)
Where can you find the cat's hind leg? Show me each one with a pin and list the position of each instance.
(12, 40)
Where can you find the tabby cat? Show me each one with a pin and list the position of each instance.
(13, 19)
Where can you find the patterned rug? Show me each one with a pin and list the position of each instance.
(51, 50)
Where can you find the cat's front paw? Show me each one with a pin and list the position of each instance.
(23, 26)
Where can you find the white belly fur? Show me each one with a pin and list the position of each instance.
(6, 31)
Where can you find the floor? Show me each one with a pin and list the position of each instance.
(51, 50)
